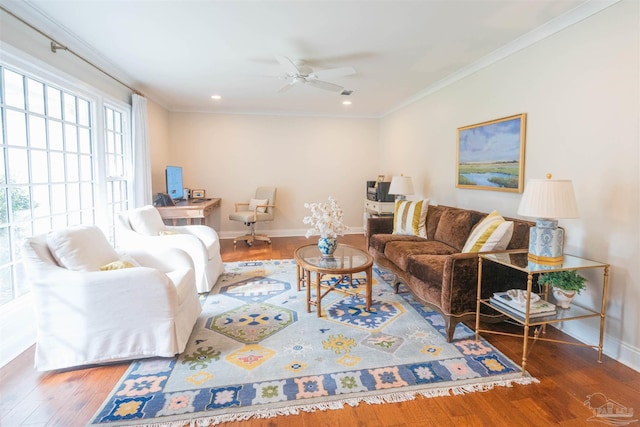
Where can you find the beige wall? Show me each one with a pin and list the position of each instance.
(307, 159)
(580, 91)
(159, 144)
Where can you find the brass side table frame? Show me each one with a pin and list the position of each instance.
(519, 260)
(346, 261)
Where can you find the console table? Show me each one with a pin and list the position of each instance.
(373, 208)
(518, 260)
(189, 210)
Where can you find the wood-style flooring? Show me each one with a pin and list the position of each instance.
(567, 374)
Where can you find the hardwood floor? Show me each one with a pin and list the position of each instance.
(567, 374)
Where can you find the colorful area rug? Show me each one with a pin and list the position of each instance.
(256, 352)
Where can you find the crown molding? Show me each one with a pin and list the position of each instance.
(572, 17)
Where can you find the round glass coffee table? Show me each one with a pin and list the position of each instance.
(346, 261)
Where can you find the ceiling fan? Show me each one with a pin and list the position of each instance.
(297, 73)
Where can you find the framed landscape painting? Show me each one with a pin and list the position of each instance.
(491, 155)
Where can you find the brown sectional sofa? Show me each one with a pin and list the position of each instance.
(435, 270)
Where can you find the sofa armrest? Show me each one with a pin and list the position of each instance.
(379, 225)
(460, 281)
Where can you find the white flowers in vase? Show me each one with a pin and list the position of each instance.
(325, 219)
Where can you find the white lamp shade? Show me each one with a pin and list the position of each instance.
(401, 185)
(547, 198)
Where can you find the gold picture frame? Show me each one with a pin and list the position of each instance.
(197, 194)
(490, 155)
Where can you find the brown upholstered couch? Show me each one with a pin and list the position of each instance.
(435, 270)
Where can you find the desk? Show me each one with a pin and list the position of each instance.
(189, 209)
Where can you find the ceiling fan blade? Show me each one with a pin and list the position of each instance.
(334, 72)
(286, 87)
(324, 85)
(288, 65)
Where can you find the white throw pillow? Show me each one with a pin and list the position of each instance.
(409, 218)
(493, 233)
(146, 220)
(81, 248)
(256, 202)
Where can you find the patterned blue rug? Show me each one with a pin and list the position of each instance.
(256, 352)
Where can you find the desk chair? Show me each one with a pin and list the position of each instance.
(258, 209)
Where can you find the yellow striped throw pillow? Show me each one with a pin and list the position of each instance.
(409, 218)
(493, 233)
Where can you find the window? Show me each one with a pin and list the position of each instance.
(52, 155)
(118, 155)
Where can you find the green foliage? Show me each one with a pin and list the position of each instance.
(505, 182)
(463, 180)
(566, 280)
(510, 168)
(19, 200)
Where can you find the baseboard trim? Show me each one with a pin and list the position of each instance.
(281, 233)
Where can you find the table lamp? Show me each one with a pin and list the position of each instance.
(547, 200)
(401, 186)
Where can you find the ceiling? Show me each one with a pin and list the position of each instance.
(180, 53)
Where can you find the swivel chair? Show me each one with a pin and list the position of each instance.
(258, 209)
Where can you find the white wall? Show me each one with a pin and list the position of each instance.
(307, 159)
(18, 35)
(580, 90)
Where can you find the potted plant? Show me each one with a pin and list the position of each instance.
(565, 285)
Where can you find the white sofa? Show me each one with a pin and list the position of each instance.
(143, 229)
(86, 316)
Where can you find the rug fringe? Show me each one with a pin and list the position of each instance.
(339, 404)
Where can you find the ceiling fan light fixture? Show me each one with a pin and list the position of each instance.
(216, 97)
(346, 102)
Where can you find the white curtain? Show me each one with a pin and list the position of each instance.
(141, 153)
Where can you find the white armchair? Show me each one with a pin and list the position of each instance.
(143, 229)
(86, 316)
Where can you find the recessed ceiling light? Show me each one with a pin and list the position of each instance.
(346, 102)
(216, 97)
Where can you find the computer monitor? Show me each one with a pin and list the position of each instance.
(175, 188)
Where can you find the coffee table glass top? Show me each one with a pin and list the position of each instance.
(344, 258)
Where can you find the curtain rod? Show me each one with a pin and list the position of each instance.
(55, 46)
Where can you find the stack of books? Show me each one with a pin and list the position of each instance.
(538, 308)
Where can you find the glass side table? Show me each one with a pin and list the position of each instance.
(345, 261)
(519, 260)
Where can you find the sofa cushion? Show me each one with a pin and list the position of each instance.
(399, 252)
(492, 233)
(520, 237)
(146, 220)
(428, 268)
(433, 218)
(379, 241)
(454, 227)
(81, 248)
(409, 217)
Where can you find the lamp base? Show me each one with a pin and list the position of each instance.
(545, 260)
(546, 242)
